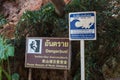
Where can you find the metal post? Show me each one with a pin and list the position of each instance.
(82, 47)
(65, 75)
(30, 74)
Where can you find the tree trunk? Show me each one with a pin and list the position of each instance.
(59, 6)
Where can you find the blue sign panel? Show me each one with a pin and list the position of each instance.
(82, 26)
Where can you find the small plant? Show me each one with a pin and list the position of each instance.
(2, 21)
(15, 76)
(6, 50)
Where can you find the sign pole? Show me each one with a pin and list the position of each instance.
(30, 74)
(65, 74)
(82, 47)
(82, 26)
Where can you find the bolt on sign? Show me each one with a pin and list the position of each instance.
(47, 53)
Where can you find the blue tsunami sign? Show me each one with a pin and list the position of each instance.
(82, 26)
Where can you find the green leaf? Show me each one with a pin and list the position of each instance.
(0, 73)
(2, 55)
(10, 51)
(15, 76)
(6, 49)
(8, 76)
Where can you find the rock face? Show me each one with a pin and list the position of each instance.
(14, 9)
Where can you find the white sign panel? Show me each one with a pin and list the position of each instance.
(34, 46)
(82, 25)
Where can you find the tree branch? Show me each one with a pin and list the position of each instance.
(59, 6)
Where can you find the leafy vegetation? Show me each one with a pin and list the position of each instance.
(6, 51)
(42, 22)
